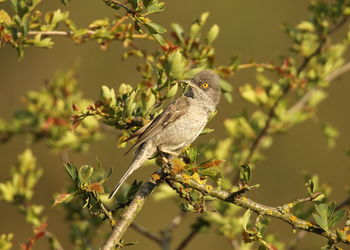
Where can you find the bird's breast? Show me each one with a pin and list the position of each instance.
(184, 130)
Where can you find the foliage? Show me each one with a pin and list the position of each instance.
(285, 94)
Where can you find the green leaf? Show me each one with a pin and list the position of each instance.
(191, 154)
(179, 31)
(57, 17)
(159, 39)
(135, 3)
(225, 86)
(228, 97)
(99, 23)
(85, 173)
(107, 96)
(154, 6)
(245, 218)
(326, 216)
(65, 2)
(155, 28)
(106, 176)
(172, 91)
(62, 198)
(336, 218)
(176, 65)
(245, 173)
(248, 93)
(306, 26)
(212, 34)
(331, 134)
(73, 172)
(5, 17)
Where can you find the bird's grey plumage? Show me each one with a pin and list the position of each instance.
(179, 124)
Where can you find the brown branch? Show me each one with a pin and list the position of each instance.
(331, 77)
(115, 3)
(133, 209)
(169, 230)
(187, 239)
(70, 33)
(286, 90)
(343, 204)
(145, 232)
(276, 212)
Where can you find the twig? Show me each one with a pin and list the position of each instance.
(133, 209)
(331, 77)
(294, 244)
(285, 91)
(70, 33)
(115, 3)
(146, 233)
(276, 212)
(169, 230)
(343, 204)
(302, 200)
(235, 244)
(53, 240)
(107, 213)
(187, 239)
(338, 72)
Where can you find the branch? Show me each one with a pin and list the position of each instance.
(70, 33)
(286, 90)
(146, 233)
(187, 239)
(331, 77)
(169, 230)
(116, 4)
(132, 210)
(276, 212)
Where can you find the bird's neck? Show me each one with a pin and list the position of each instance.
(201, 99)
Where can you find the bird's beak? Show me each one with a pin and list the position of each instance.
(190, 83)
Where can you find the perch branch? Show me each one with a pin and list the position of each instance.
(132, 210)
(276, 212)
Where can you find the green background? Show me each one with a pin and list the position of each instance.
(250, 29)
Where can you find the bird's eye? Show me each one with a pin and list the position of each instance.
(204, 85)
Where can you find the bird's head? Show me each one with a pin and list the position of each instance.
(205, 87)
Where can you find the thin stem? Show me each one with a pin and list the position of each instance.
(286, 90)
(145, 232)
(115, 3)
(331, 77)
(70, 33)
(169, 230)
(187, 239)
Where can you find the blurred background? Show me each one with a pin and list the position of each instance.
(250, 29)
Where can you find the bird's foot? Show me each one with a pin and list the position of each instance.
(169, 152)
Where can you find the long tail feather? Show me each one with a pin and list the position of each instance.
(142, 155)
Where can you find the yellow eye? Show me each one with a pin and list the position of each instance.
(204, 85)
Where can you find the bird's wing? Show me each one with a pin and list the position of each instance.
(173, 112)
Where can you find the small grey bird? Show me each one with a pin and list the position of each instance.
(180, 123)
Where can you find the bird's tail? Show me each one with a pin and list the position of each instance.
(143, 153)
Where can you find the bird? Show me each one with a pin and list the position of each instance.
(178, 125)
